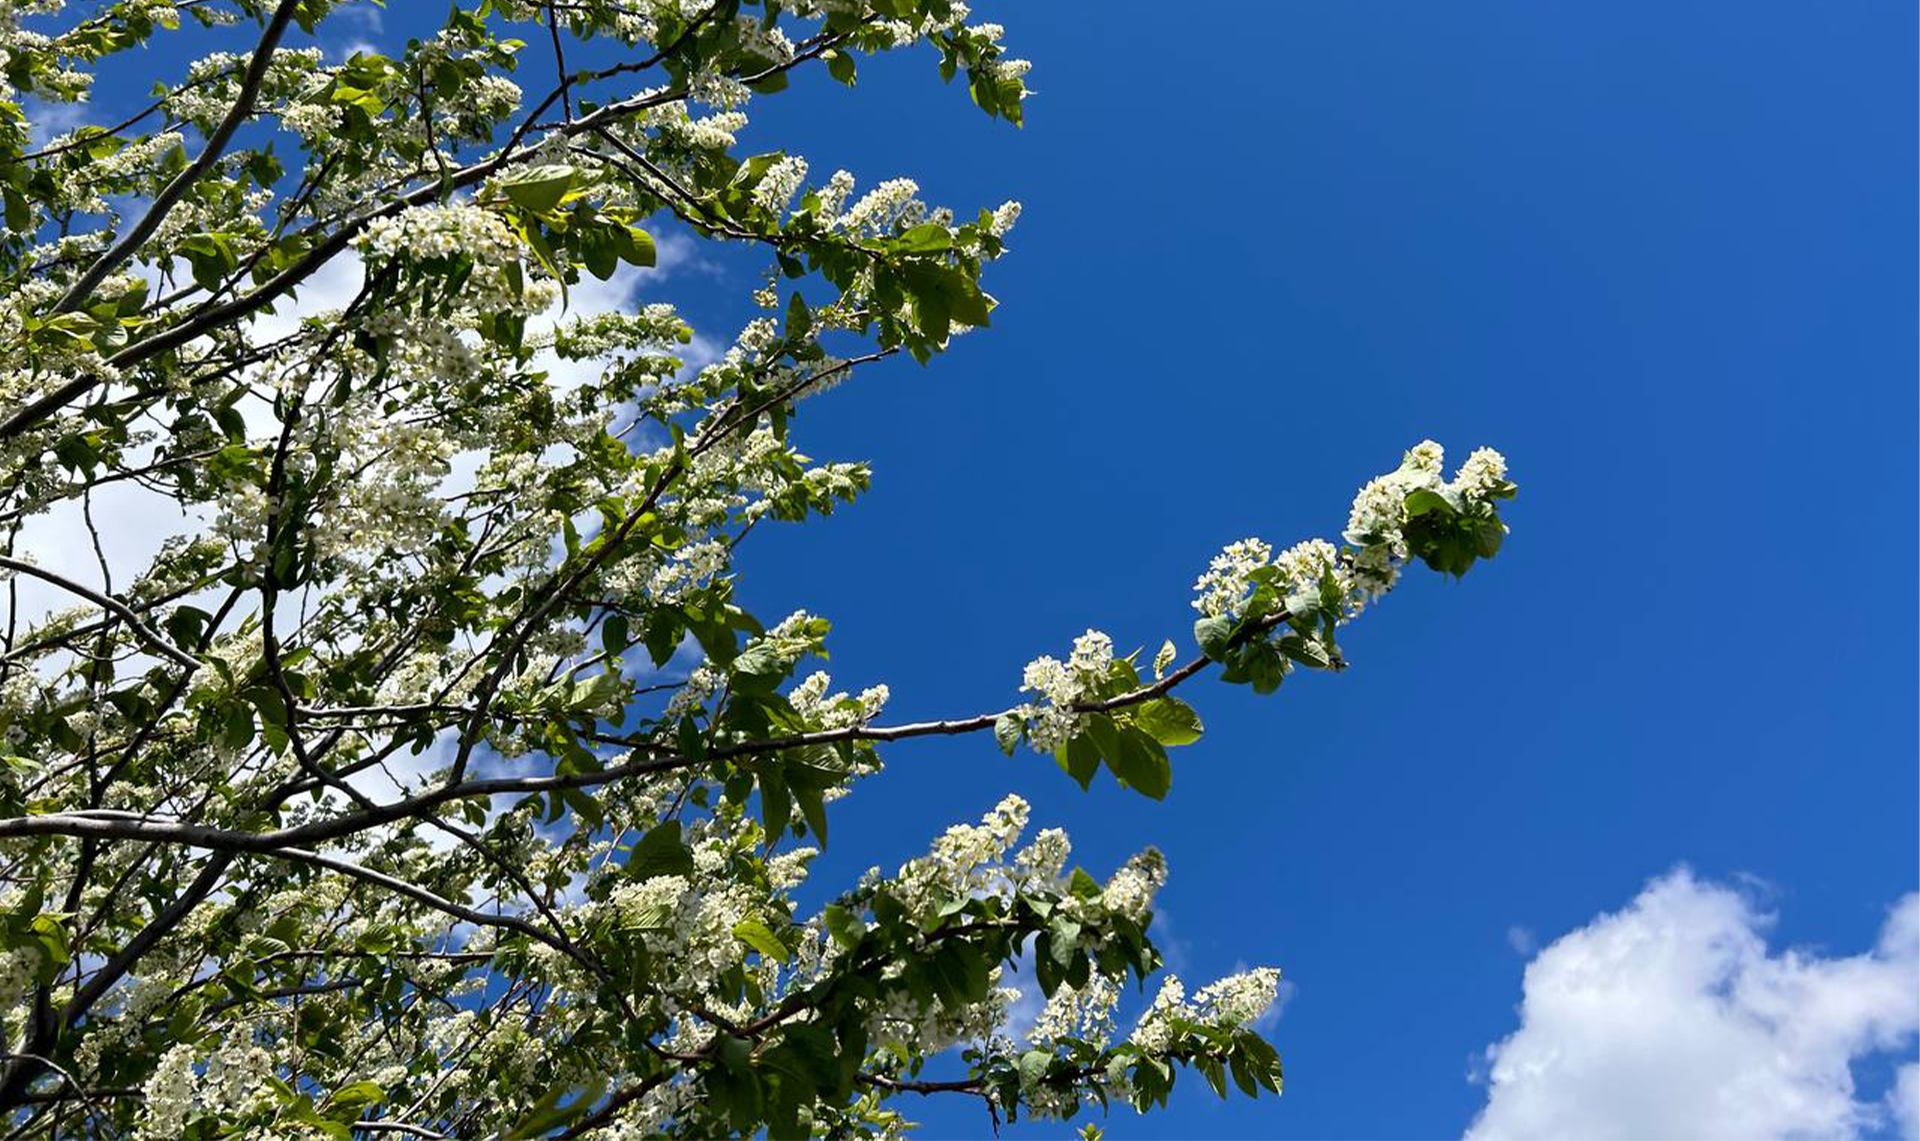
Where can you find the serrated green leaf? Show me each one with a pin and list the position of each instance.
(1169, 720)
(538, 188)
(660, 852)
(757, 935)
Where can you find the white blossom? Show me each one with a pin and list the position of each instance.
(1224, 588)
(168, 1095)
(776, 187)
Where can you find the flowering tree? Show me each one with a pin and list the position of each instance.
(432, 782)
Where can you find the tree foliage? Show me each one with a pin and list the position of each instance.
(432, 781)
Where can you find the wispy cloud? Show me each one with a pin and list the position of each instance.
(1522, 940)
(48, 121)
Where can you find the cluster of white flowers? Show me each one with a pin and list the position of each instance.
(890, 204)
(169, 1096)
(316, 122)
(833, 196)
(692, 567)
(1084, 1012)
(129, 162)
(958, 863)
(1233, 1001)
(1375, 529)
(653, 328)
(1239, 999)
(444, 231)
(18, 968)
(236, 1074)
(1225, 585)
(1303, 567)
(716, 88)
(788, 870)
(701, 942)
(699, 686)
(106, 1035)
(713, 132)
(1063, 685)
(911, 1028)
(764, 39)
(396, 501)
(1376, 525)
(650, 1116)
(1004, 216)
(1041, 861)
(242, 513)
(1131, 890)
(490, 97)
(1484, 473)
(1154, 1032)
(838, 711)
(792, 637)
(776, 187)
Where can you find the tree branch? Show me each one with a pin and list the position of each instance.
(112, 605)
(171, 194)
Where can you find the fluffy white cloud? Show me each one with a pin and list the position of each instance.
(1670, 1019)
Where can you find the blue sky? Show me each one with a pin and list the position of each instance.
(1661, 255)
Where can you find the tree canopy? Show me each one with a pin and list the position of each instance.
(432, 781)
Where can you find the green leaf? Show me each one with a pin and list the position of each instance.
(809, 784)
(845, 927)
(1423, 501)
(926, 238)
(692, 745)
(1082, 885)
(1063, 939)
(1080, 759)
(841, 67)
(1033, 1066)
(760, 660)
(1007, 731)
(776, 803)
(1306, 651)
(1169, 720)
(660, 853)
(636, 246)
(211, 257)
(1142, 764)
(813, 1053)
(615, 634)
(1133, 757)
(347, 1102)
(1214, 635)
(538, 188)
(1242, 1074)
(1210, 1068)
(548, 1114)
(966, 967)
(1488, 537)
(756, 934)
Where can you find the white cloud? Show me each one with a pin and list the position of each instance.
(1522, 940)
(48, 121)
(1670, 1019)
(1903, 1101)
